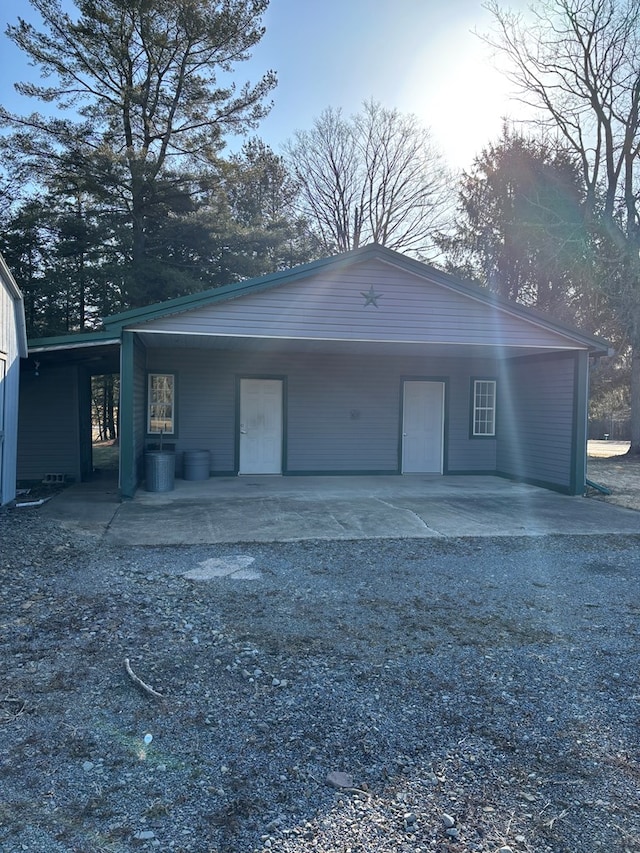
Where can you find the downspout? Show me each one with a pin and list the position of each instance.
(602, 489)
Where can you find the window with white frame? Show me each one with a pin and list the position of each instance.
(161, 403)
(484, 407)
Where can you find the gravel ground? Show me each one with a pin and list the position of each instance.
(406, 696)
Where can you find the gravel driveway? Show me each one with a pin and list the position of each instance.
(406, 696)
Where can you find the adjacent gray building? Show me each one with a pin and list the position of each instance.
(13, 347)
(367, 362)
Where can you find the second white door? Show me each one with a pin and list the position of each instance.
(260, 426)
(422, 427)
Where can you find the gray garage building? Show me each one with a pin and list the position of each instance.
(367, 362)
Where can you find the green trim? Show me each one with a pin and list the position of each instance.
(473, 472)
(340, 473)
(477, 292)
(128, 473)
(232, 291)
(364, 253)
(531, 481)
(84, 425)
(74, 340)
(472, 408)
(116, 322)
(155, 436)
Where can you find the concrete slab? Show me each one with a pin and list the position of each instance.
(267, 509)
(86, 507)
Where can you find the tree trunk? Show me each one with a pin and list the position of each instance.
(635, 400)
(110, 427)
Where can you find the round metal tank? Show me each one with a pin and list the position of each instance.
(160, 469)
(196, 465)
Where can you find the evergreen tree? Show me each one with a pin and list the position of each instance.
(520, 229)
(144, 99)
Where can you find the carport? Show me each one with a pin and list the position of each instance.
(368, 363)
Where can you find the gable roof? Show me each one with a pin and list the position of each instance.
(115, 323)
(232, 291)
(182, 304)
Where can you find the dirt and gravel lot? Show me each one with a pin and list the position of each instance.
(620, 474)
(406, 696)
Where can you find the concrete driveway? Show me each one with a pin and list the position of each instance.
(267, 509)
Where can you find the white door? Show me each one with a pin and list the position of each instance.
(422, 427)
(260, 426)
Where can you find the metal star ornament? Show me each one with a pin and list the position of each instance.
(371, 297)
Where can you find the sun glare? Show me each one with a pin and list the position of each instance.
(453, 86)
(465, 112)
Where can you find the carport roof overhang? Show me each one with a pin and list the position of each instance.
(426, 349)
(97, 351)
(100, 351)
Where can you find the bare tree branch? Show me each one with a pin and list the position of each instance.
(578, 63)
(375, 177)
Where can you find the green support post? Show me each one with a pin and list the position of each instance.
(128, 472)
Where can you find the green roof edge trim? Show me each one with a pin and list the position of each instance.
(372, 251)
(115, 323)
(231, 291)
(74, 339)
(475, 291)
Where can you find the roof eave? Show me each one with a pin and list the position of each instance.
(18, 301)
(73, 341)
(474, 291)
(117, 322)
(229, 291)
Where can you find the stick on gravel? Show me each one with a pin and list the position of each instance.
(141, 684)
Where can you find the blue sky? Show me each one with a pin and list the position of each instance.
(419, 56)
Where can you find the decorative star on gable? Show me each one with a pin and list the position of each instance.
(371, 297)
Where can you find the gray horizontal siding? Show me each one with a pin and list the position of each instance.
(535, 420)
(342, 413)
(8, 336)
(49, 428)
(409, 309)
(466, 453)
(9, 384)
(9, 380)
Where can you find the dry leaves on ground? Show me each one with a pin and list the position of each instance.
(619, 474)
